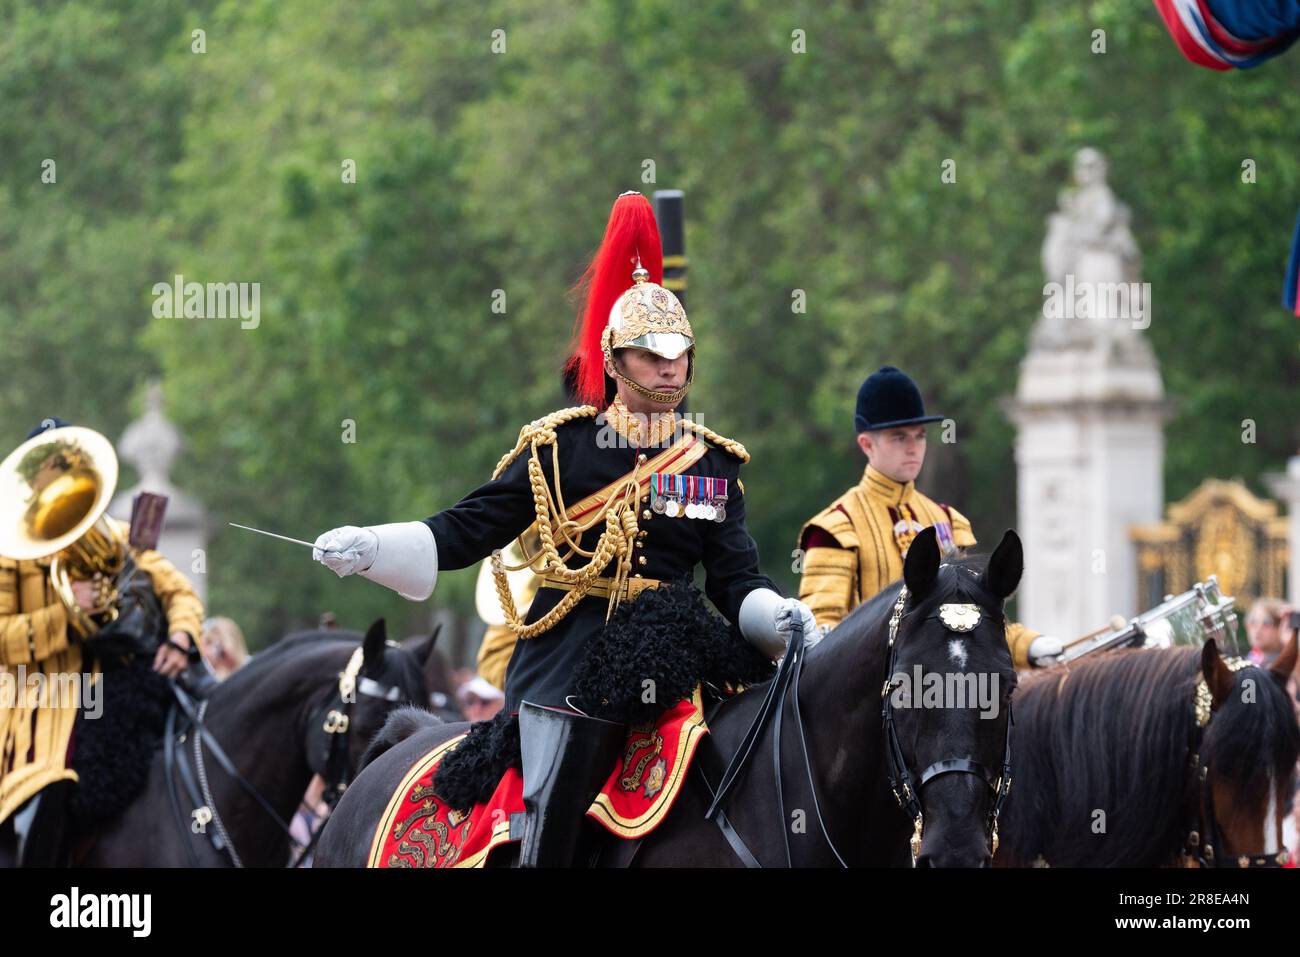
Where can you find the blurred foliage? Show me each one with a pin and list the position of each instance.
(479, 171)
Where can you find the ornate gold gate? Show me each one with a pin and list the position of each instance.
(1220, 529)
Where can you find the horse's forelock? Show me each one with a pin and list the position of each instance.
(399, 668)
(960, 581)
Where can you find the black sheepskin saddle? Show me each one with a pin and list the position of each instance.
(113, 746)
(668, 634)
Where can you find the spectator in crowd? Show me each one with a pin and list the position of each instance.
(307, 820)
(223, 646)
(479, 699)
(1266, 629)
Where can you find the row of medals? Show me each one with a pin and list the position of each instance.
(712, 510)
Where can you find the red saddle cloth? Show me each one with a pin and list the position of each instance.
(418, 830)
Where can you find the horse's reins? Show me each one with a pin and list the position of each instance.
(906, 788)
(787, 675)
(337, 724)
(1204, 834)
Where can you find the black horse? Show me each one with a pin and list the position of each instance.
(1114, 769)
(268, 718)
(835, 804)
(438, 676)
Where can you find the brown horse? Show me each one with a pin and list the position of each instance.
(1145, 758)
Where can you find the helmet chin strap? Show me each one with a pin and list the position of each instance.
(666, 398)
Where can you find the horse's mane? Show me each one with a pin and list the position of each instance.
(1112, 735)
(398, 669)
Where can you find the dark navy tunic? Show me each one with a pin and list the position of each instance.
(493, 514)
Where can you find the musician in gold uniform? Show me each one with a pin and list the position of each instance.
(38, 644)
(855, 546)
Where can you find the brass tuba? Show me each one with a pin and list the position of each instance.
(54, 492)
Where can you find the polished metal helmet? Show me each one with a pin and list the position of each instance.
(648, 317)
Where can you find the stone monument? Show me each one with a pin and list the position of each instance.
(1089, 410)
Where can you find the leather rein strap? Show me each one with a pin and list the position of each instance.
(774, 703)
(336, 724)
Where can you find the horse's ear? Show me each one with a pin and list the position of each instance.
(1006, 565)
(372, 646)
(422, 647)
(1217, 676)
(1285, 663)
(921, 567)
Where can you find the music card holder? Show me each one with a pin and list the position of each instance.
(147, 510)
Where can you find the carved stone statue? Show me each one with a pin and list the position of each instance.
(1089, 250)
(1090, 235)
(151, 443)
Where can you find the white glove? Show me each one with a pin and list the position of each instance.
(791, 609)
(402, 556)
(1044, 646)
(766, 620)
(346, 550)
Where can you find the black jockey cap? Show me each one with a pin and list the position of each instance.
(889, 398)
(53, 422)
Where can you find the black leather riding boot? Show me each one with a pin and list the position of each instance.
(566, 758)
(40, 826)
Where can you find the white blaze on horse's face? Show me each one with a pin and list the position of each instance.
(957, 652)
(1270, 818)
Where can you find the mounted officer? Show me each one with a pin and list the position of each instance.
(76, 599)
(855, 546)
(622, 495)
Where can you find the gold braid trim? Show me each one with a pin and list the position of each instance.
(544, 427)
(614, 542)
(731, 445)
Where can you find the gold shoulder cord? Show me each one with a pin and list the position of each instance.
(620, 529)
(731, 445)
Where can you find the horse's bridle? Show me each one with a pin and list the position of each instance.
(1204, 835)
(906, 787)
(336, 723)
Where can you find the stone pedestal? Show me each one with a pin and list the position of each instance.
(1089, 459)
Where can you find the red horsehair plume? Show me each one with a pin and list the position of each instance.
(631, 235)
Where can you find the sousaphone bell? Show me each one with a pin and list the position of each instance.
(54, 492)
